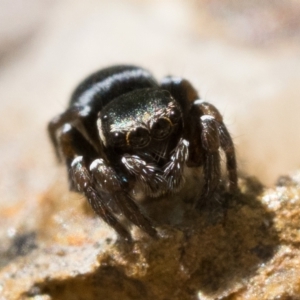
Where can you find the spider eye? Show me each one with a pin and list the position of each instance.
(161, 128)
(138, 138)
(118, 139)
(175, 115)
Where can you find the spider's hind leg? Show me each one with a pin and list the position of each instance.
(75, 116)
(181, 90)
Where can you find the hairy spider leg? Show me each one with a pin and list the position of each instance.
(211, 157)
(226, 142)
(181, 90)
(205, 136)
(108, 181)
(73, 144)
(81, 179)
(99, 183)
(231, 164)
(74, 116)
(214, 135)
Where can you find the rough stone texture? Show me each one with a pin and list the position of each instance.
(243, 56)
(246, 248)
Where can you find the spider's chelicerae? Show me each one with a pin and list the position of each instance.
(123, 128)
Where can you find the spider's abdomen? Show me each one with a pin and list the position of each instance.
(100, 88)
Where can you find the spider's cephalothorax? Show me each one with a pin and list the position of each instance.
(123, 128)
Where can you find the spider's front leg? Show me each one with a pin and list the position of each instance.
(225, 140)
(109, 183)
(201, 132)
(86, 185)
(207, 135)
(100, 184)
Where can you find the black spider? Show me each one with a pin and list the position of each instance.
(123, 128)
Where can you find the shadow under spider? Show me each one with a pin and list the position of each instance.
(222, 244)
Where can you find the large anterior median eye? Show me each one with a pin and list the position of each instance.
(138, 138)
(175, 115)
(161, 128)
(118, 139)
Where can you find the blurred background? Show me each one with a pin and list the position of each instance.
(243, 56)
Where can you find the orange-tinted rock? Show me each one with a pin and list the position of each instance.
(246, 249)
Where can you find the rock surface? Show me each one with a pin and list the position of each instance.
(246, 248)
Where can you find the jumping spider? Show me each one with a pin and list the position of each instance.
(123, 128)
